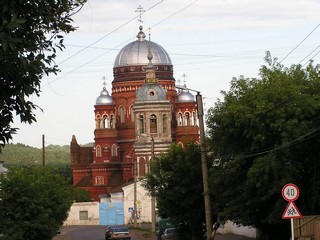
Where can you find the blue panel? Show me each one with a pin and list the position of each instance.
(111, 213)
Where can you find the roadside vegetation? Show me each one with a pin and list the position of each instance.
(263, 134)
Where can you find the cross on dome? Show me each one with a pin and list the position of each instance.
(140, 10)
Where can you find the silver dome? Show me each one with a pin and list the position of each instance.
(136, 53)
(104, 98)
(185, 96)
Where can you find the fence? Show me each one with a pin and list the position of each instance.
(307, 228)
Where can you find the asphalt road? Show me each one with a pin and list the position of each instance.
(97, 233)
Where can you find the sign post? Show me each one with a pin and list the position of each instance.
(290, 193)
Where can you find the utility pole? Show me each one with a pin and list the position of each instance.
(135, 192)
(204, 166)
(153, 199)
(43, 153)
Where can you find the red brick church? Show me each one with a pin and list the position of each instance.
(144, 114)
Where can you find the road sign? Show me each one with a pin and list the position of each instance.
(291, 211)
(290, 192)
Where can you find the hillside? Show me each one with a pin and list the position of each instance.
(20, 154)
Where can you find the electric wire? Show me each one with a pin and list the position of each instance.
(108, 34)
(86, 47)
(299, 44)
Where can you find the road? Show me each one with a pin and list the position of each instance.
(97, 233)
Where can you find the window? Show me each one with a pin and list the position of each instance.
(188, 119)
(122, 117)
(83, 215)
(132, 115)
(141, 124)
(165, 123)
(98, 151)
(98, 122)
(194, 118)
(105, 122)
(180, 119)
(114, 150)
(99, 180)
(153, 124)
(112, 121)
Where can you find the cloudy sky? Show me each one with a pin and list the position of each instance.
(209, 41)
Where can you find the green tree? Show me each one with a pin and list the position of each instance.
(265, 133)
(34, 202)
(81, 195)
(175, 179)
(30, 34)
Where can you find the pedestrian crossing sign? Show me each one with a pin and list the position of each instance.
(291, 211)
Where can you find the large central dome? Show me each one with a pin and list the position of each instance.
(135, 53)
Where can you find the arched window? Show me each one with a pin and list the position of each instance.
(194, 118)
(187, 117)
(141, 124)
(114, 150)
(99, 180)
(153, 124)
(98, 151)
(121, 112)
(165, 123)
(112, 121)
(132, 114)
(180, 119)
(105, 121)
(98, 121)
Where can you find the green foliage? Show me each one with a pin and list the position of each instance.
(20, 154)
(30, 34)
(175, 179)
(265, 133)
(34, 202)
(81, 195)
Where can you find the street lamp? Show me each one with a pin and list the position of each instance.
(204, 164)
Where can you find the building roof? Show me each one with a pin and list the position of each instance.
(135, 53)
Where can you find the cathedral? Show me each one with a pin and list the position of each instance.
(144, 114)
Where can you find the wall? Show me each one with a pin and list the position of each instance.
(74, 214)
(143, 203)
(231, 227)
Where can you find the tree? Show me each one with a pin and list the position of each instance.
(264, 134)
(30, 34)
(34, 202)
(175, 179)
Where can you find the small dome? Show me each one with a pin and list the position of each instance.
(185, 96)
(136, 53)
(104, 98)
(151, 92)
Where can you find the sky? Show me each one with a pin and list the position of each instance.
(209, 43)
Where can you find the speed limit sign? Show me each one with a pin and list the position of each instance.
(290, 192)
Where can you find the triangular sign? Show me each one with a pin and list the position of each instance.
(291, 211)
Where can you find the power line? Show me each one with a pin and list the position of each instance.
(116, 29)
(300, 43)
(111, 49)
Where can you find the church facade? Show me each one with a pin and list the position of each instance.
(144, 114)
